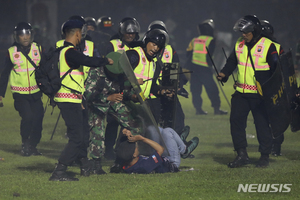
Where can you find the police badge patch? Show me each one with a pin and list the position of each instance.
(259, 48)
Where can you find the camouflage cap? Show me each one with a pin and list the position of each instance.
(115, 68)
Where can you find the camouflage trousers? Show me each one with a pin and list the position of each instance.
(97, 123)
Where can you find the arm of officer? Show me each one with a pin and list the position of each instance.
(229, 67)
(75, 59)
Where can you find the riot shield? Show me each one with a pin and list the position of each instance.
(141, 111)
(276, 103)
(290, 80)
(168, 104)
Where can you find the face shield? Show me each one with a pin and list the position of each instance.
(23, 37)
(244, 26)
(84, 31)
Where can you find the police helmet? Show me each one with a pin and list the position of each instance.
(267, 28)
(90, 21)
(248, 23)
(23, 28)
(81, 19)
(157, 36)
(104, 22)
(129, 25)
(157, 24)
(207, 27)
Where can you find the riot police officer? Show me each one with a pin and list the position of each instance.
(200, 64)
(169, 55)
(250, 47)
(98, 37)
(105, 25)
(129, 29)
(69, 100)
(26, 93)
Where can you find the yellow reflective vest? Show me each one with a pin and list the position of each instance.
(199, 49)
(145, 70)
(73, 84)
(117, 44)
(88, 51)
(246, 82)
(22, 76)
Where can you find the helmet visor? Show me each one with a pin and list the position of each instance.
(23, 32)
(84, 30)
(244, 26)
(24, 36)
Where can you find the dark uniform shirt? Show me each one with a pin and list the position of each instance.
(75, 58)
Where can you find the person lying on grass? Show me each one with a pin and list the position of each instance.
(127, 151)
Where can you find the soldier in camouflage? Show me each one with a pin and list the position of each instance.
(106, 93)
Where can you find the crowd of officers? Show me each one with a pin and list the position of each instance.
(87, 42)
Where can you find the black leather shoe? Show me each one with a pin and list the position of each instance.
(201, 112)
(59, 174)
(62, 177)
(34, 151)
(241, 159)
(263, 161)
(116, 168)
(220, 112)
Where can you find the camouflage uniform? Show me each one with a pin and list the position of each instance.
(98, 88)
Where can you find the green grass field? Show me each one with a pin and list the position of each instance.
(27, 177)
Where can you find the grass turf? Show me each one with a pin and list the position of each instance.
(27, 177)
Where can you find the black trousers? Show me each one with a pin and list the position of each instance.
(203, 76)
(179, 117)
(76, 120)
(111, 132)
(241, 105)
(31, 111)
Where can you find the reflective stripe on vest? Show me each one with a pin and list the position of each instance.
(199, 50)
(246, 82)
(22, 76)
(145, 70)
(76, 82)
(117, 44)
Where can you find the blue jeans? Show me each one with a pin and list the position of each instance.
(174, 144)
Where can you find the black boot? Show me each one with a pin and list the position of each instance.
(25, 151)
(85, 167)
(59, 174)
(34, 151)
(218, 111)
(241, 159)
(201, 112)
(263, 161)
(116, 168)
(97, 167)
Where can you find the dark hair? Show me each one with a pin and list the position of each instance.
(125, 151)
